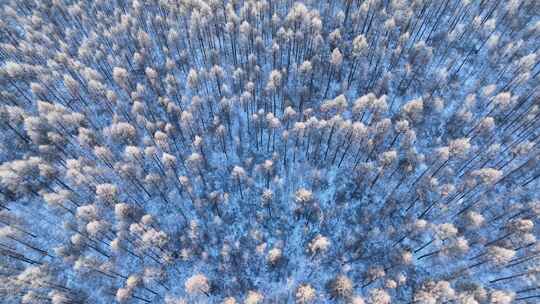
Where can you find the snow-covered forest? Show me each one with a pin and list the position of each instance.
(269, 151)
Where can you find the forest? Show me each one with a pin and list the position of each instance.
(269, 151)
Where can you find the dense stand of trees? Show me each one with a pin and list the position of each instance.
(269, 151)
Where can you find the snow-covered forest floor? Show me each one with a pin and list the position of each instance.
(269, 151)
